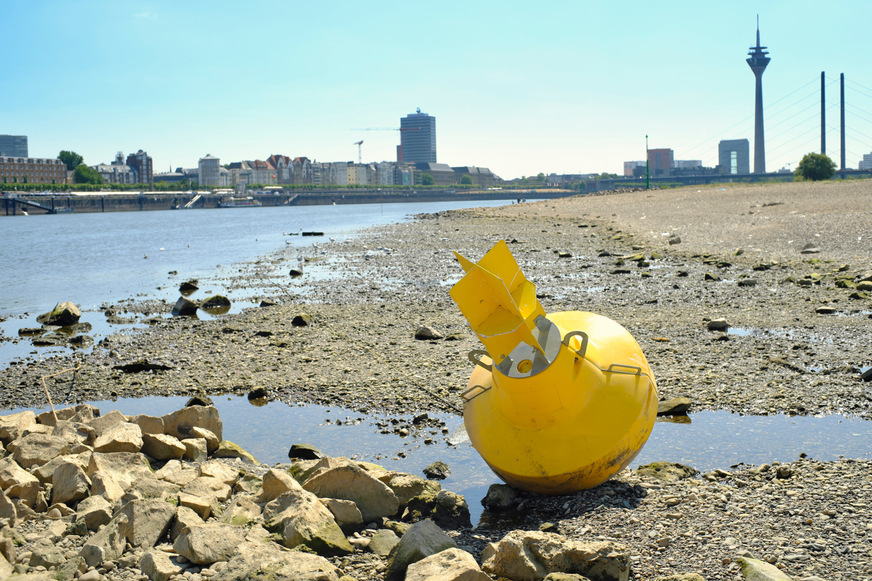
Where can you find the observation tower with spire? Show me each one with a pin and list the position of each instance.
(758, 60)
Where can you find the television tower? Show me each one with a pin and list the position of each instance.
(757, 61)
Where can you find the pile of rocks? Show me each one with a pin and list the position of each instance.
(90, 496)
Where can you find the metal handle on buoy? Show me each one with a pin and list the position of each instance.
(473, 392)
(584, 338)
(474, 357)
(636, 370)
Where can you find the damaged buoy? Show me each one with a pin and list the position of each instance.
(557, 403)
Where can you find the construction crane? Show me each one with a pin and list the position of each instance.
(359, 145)
(387, 129)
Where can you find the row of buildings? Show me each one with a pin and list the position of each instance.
(279, 170)
(733, 159)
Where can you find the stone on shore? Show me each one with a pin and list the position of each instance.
(228, 449)
(304, 452)
(425, 333)
(162, 446)
(676, 406)
(184, 308)
(756, 570)
(122, 437)
(36, 449)
(275, 483)
(18, 482)
(447, 565)
(12, 426)
(181, 423)
(531, 555)
(107, 544)
(94, 511)
(500, 497)
(69, 483)
(209, 543)
(63, 315)
(270, 561)
(158, 566)
(147, 521)
(346, 480)
(422, 539)
(300, 518)
(667, 471)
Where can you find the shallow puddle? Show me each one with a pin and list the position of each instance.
(712, 439)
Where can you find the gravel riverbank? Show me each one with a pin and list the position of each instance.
(787, 266)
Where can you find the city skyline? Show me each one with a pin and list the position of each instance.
(563, 88)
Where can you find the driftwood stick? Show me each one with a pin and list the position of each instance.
(48, 395)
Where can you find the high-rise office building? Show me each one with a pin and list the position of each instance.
(758, 60)
(734, 157)
(418, 137)
(13, 145)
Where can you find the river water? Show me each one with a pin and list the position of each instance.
(90, 259)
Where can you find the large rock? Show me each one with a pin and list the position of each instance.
(447, 565)
(151, 488)
(148, 424)
(408, 486)
(383, 542)
(445, 508)
(212, 440)
(112, 473)
(275, 483)
(94, 511)
(18, 482)
(422, 539)
(162, 446)
(184, 308)
(196, 449)
(185, 518)
(147, 521)
(180, 422)
(207, 544)
(6, 569)
(158, 566)
(242, 511)
(63, 315)
(45, 472)
(270, 561)
(531, 555)
(12, 426)
(301, 519)
(345, 512)
(69, 483)
(350, 482)
(107, 544)
(756, 570)
(228, 449)
(122, 437)
(208, 486)
(110, 420)
(75, 433)
(45, 554)
(220, 470)
(37, 449)
(500, 497)
(7, 509)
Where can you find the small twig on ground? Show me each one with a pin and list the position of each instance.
(45, 387)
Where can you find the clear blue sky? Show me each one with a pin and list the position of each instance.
(561, 87)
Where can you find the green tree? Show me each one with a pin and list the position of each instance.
(71, 159)
(815, 167)
(427, 179)
(466, 180)
(540, 177)
(86, 175)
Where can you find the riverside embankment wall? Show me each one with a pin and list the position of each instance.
(17, 204)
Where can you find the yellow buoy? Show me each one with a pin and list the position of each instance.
(559, 402)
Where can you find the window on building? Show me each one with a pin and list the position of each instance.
(734, 162)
